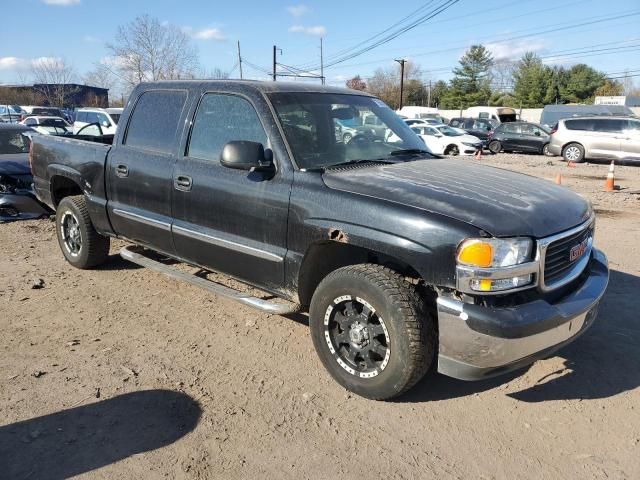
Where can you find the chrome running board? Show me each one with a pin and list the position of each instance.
(136, 255)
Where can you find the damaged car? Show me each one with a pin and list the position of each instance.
(17, 200)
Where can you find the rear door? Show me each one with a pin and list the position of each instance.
(607, 137)
(232, 221)
(511, 139)
(140, 167)
(630, 143)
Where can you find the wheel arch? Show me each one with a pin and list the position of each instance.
(324, 257)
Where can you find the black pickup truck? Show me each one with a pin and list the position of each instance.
(405, 261)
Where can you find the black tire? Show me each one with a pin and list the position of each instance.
(452, 150)
(81, 245)
(574, 152)
(495, 146)
(397, 313)
(346, 138)
(545, 150)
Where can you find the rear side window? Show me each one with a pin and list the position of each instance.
(155, 119)
(613, 125)
(221, 119)
(583, 124)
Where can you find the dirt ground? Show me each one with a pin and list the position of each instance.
(122, 373)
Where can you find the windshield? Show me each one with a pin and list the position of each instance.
(13, 141)
(115, 117)
(329, 129)
(449, 132)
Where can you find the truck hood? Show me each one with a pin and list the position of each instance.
(501, 202)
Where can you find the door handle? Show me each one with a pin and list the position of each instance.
(183, 183)
(122, 171)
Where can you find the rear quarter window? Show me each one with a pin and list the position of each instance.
(586, 124)
(155, 119)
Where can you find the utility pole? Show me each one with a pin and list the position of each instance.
(401, 62)
(429, 97)
(321, 63)
(239, 60)
(274, 63)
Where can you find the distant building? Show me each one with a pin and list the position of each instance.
(40, 94)
(627, 101)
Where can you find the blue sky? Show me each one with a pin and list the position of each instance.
(78, 29)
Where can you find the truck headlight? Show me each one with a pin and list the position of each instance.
(495, 264)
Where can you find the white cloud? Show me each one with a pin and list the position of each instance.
(12, 63)
(61, 3)
(318, 30)
(205, 33)
(512, 50)
(298, 10)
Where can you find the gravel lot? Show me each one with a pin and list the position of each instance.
(123, 373)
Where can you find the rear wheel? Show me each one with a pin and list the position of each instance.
(574, 152)
(545, 150)
(452, 150)
(81, 245)
(372, 331)
(495, 146)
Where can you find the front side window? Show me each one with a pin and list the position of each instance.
(308, 120)
(221, 119)
(103, 120)
(154, 121)
(449, 132)
(531, 130)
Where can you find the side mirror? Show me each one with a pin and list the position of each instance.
(245, 155)
(105, 123)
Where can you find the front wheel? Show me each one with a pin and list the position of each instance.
(81, 245)
(372, 331)
(545, 150)
(495, 146)
(574, 152)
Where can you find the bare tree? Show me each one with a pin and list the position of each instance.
(52, 78)
(217, 74)
(147, 50)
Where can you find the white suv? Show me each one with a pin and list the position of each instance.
(107, 118)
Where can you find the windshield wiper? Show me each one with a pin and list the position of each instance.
(409, 151)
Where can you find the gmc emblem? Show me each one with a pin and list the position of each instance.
(578, 250)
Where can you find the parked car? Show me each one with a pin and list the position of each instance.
(478, 127)
(404, 261)
(107, 118)
(422, 121)
(445, 140)
(497, 114)
(42, 111)
(11, 113)
(17, 200)
(593, 138)
(520, 137)
(48, 125)
(552, 114)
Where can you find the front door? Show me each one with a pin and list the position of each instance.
(140, 168)
(232, 221)
(532, 138)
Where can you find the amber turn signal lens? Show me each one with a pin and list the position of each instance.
(476, 253)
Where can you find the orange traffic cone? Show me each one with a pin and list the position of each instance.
(479, 155)
(558, 179)
(610, 183)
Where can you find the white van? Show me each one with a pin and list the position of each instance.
(501, 114)
(413, 111)
(107, 118)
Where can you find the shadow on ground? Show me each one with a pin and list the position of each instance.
(604, 362)
(81, 439)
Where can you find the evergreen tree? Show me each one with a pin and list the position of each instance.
(582, 82)
(531, 81)
(470, 84)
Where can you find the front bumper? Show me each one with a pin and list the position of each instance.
(477, 342)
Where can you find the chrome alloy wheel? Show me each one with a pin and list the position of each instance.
(356, 336)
